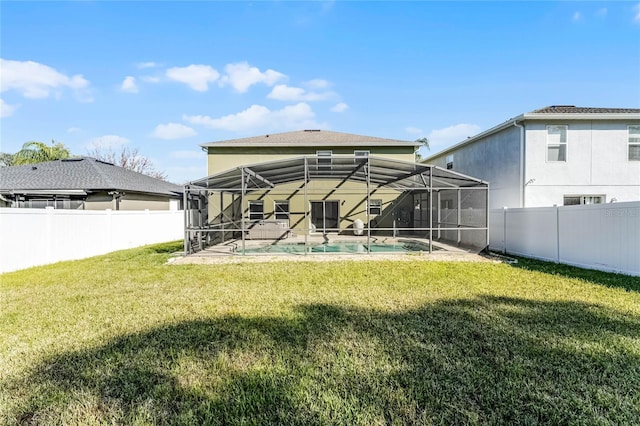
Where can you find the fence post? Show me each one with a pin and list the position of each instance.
(558, 234)
(49, 212)
(504, 232)
(109, 228)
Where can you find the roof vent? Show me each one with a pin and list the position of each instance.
(34, 168)
(562, 106)
(104, 162)
(65, 160)
(312, 130)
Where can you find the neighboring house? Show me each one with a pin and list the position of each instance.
(84, 183)
(557, 155)
(319, 182)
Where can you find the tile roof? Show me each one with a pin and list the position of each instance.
(571, 109)
(84, 173)
(310, 138)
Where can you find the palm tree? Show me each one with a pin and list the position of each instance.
(425, 143)
(37, 152)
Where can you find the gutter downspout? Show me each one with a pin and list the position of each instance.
(522, 158)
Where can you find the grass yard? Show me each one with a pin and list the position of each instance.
(126, 339)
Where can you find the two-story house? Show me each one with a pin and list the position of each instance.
(320, 182)
(557, 155)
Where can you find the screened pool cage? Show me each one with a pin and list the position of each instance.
(339, 204)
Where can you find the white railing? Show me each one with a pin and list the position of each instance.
(596, 236)
(32, 237)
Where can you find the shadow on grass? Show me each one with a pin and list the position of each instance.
(607, 279)
(485, 360)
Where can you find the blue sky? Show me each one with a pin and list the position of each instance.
(165, 77)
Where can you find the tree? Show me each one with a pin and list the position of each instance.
(37, 152)
(6, 159)
(130, 159)
(425, 144)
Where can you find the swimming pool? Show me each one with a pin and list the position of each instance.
(403, 246)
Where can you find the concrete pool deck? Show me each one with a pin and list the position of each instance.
(229, 252)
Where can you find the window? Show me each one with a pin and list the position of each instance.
(634, 143)
(556, 143)
(57, 202)
(256, 210)
(324, 160)
(449, 161)
(573, 200)
(281, 209)
(361, 155)
(446, 204)
(375, 207)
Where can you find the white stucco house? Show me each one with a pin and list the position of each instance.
(557, 155)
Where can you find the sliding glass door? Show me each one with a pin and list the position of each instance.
(325, 215)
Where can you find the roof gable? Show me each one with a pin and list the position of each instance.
(82, 173)
(317, 138)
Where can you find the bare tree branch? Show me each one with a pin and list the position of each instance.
(130, 159)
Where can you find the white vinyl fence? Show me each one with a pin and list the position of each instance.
(31, 237)
(596, 236)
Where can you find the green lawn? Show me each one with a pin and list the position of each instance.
(124, 338)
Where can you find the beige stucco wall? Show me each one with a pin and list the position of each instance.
(221, 159)
(351, 198)
(130, 201)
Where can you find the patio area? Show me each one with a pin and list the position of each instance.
(343, 205)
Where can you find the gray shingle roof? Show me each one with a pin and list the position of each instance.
(571, 109)
(310, 138)
(83, 173)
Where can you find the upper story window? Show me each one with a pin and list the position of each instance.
(361, 155)
(556, 143)
(634, 143)
(324, 160)
(256, 210)
(449, 161)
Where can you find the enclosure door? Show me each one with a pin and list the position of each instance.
(325, 215)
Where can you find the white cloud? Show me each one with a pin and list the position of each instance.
(317, 84)
(197, 77)
(413, 130)
(258, 117)
(636, 13)
(35, 80)
(74, 130)
(443, 138)
(241, 76)
(187, 155)
(129, 85)
(6, 110)
(340, 107)
(150, 79)
(107, 142)
(173, 131)
(282, 92)
(602, 12)
(144, 65)
(577, 16)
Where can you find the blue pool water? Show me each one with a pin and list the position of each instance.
(293, 248)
